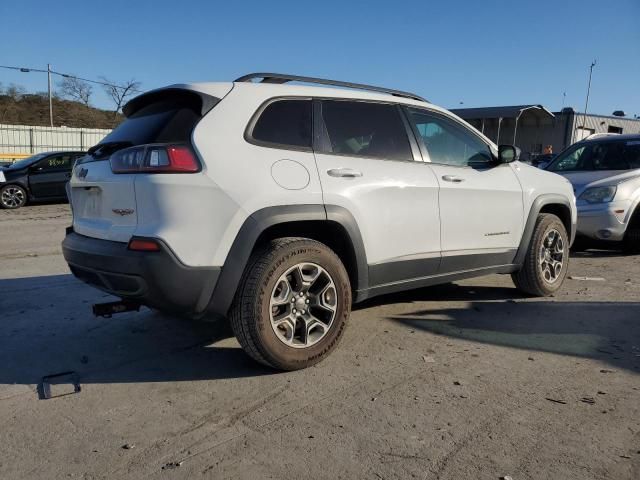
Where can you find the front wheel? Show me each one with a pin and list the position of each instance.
(631, 242)
(13, 196)
(547, 259)
(293, 304)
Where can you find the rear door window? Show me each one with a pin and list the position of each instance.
(374, 130)
(285, 123)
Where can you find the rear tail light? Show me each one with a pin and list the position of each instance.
(155, 159)
(143, 245)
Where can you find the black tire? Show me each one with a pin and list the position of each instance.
(631, 242)
(250, 313)
(581, 244)
(531, 278)
(12, 196)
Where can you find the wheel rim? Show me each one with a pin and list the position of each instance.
(551, 256)
(12, 197)
(303, 305)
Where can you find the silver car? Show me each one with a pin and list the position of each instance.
(605, 174)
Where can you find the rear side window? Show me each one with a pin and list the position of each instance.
(365, 129)
(285, 122)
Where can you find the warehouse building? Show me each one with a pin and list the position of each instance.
(532, 127)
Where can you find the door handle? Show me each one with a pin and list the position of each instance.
(344, 172)
(452, 178)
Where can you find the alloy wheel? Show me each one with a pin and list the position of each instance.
(12, 197)
(303, 305)
(551, 256)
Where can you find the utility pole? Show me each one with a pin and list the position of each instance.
(50, 100)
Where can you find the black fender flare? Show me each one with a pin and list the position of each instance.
(537, 205)
(258, 222)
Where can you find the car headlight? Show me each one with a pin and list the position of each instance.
(598, 194)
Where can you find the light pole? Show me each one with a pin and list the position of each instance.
(586, 103)
(515, 128)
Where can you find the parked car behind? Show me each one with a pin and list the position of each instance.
(41, 177)
(605, 173)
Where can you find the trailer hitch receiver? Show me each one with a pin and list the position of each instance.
(108, 309)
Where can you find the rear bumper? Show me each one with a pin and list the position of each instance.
(155, 279)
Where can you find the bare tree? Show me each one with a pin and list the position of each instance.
(16, 92)
(76, 89)
(119, 93)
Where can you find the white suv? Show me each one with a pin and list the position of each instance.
(279, 205)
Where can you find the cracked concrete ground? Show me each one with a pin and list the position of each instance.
(462, 381)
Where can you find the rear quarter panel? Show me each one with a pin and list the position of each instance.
(240, 172)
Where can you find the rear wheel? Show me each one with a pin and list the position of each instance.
(293, 304)
(547, 260)
(13, 196)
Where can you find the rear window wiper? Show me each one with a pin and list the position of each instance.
(108, 147)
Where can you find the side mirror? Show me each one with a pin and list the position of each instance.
(508, 153)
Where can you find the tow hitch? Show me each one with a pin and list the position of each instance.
(108, 309)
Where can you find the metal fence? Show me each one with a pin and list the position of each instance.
(18, 141)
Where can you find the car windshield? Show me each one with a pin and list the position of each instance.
(25, 162)
(592, 156)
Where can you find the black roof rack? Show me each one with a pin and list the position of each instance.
(283, 78)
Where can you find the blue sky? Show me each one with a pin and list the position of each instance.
(482, 53)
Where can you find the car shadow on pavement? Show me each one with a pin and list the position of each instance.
(46, 327)
(606, 331)
(446, 292)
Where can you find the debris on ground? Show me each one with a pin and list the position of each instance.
(428, 359)
(128, 446)
(457, 383)
(171, 465)
(587, 279)
(63, 381)
(589, 400)
(555, 400)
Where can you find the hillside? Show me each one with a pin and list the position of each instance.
(33, 109)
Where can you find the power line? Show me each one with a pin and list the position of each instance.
(66, 75)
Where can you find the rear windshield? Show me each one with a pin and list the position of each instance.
(591, 156)
(169, 119)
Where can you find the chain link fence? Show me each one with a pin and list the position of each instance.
(19, 141)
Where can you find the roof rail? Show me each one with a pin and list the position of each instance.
(283, 78)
